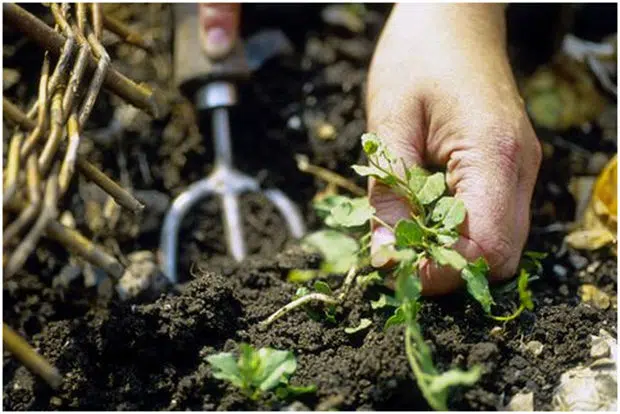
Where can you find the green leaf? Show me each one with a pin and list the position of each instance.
(352, 213)
(339, 250)
(225, 367)
(524, 293)
(370, 143)
(449, 211)
(302, 275)
(416, 177)
(384, 301)
(408, 286)
(444, 256)
(447, 239)
(276, 367)
(301, 292)
(364, 323)
(372, 278)
(292, 391)
(433, 188)
(408, 233)
(322, 287)
(324, 205)
(399, 317)
(475, 274)
(370, 171)
(441, 383)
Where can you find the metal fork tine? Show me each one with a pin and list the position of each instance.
(233, 226)
(172, 224)
(289, 211)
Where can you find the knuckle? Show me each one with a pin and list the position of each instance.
(498, 250)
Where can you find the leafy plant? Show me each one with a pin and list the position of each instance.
(428, 234)
(258, 371)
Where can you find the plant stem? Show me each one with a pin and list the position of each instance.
(383, 223)
(417, 370)
(296, 304)
(348, 281)
(509, 317)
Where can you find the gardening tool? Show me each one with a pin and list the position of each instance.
(211, 84)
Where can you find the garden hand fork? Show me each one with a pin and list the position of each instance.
(211, 83)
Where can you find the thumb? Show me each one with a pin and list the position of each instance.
(219, 27)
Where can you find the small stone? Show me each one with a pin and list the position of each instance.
(521, 402)
(326, 131)
(294, 122)
(600, 348)
(560, 272)
(55, 401)
(563, 289)
(596, 163)
(590, 293)
(341, 15)
(496, 331)
(592, 268)
(534, 347)
(577, 261)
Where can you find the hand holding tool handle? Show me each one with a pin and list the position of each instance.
(192, 67)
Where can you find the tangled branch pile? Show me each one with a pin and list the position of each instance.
(43, 149)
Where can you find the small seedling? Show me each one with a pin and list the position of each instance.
(258, 371)
(428, 234)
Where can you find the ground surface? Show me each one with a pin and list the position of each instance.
(151, 355)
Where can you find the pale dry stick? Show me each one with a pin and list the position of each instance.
(74, 241)
(297, 303)
(120, 195)
(80, 62)
(75, 79)
(55, 136)
(303, 164)
(68, 165)
(81, 16)
(63, 65)
(17, 346)
(81, 246)
(15, 115)
(127, 34)
(42, 105)
(97, 80)
(34, 195)
(314, 296)
(12, 167)
(154, 102)
(97, 19)
(48, 213)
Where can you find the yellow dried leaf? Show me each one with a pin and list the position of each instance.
(590, 239)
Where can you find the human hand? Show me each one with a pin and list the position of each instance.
(441, 92)
(219, 27)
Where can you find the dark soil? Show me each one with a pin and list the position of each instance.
(152, 356)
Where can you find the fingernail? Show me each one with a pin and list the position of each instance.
(381, 236)
(217, 42)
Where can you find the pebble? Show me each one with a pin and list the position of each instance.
(535, 347)
(294, 122)
(601, 345)
(341, 15)
(577, 261)
(326, 131)
(590, 293)
(560, 272)
(563, 289)
(521, 402)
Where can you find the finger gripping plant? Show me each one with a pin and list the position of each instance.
(428, 234)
